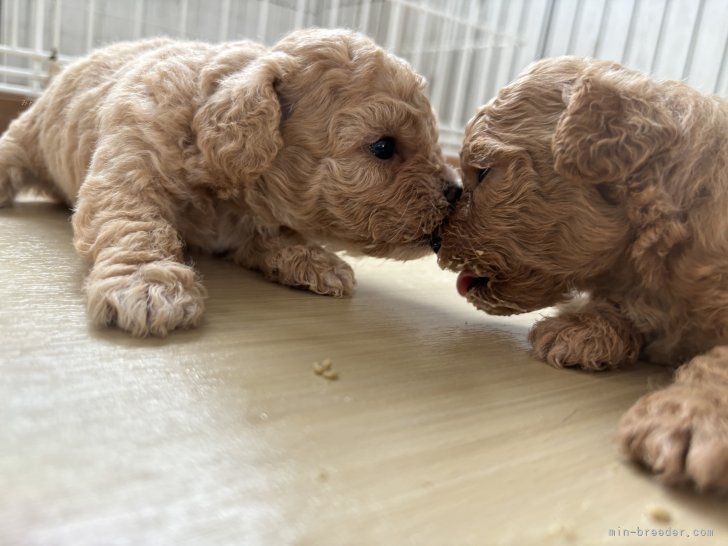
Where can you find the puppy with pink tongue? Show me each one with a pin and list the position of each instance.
(593, 187)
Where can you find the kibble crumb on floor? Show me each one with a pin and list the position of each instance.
(658, 514)
(325, 370)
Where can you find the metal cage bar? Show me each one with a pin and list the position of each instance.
(660, 34)
(300, 20)
(183, 14)
(693, 39)
(56, 39)
(138, 18)
(91, 13)
(394, 25)
(467, 49)
(366, 8)
(464, 66)
(334, 13)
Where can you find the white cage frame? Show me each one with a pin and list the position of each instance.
(466, 49)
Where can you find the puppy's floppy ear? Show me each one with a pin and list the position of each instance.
(238, 124)
(616, 130)
(613, 123)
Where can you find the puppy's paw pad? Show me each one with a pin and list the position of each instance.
(150, 299)
(564, 342)
(681, 434)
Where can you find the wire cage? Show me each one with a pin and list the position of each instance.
(466, 49)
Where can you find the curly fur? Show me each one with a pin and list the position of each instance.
(259, 154)
(613, 187)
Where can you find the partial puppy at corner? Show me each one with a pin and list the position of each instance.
(263, 155)
(598, 189)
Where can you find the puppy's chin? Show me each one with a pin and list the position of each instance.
(484, 299)
(483, 293)
(410, 251)
(393, 251)
(490, 290)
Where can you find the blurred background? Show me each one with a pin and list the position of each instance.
(466, 49)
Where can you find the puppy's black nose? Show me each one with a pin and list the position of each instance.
(436, 241)
(452, 192)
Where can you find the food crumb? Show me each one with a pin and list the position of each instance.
(325, 370)
(659, 514)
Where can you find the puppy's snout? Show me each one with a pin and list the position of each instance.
(452, 192)
(452, 187)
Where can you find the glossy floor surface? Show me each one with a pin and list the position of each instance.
(440, 430)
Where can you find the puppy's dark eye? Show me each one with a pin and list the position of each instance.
(482, 173)
(383, 148)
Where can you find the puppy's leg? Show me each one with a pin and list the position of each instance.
(681, 432)
(15, 165)
(285, 257)
(137, 280)
(592, 335)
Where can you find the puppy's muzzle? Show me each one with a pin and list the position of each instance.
(452, 192)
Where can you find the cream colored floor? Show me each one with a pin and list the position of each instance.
(441, 430)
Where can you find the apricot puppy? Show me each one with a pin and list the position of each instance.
(584, 177)
(263, 155)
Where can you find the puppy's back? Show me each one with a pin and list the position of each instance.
(149, 88)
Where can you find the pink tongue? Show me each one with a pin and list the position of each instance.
(465, 281)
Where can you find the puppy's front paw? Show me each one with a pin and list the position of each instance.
(312, 268)
(7, 192)
(148, 299)
(583, 341)
(681, 434)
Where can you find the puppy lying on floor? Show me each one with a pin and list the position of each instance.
(259, 154)
(585, 177)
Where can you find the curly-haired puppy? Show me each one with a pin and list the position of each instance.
(584, 177)
(259, 154)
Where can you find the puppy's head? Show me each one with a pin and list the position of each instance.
(556, 173)
(344, 144)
